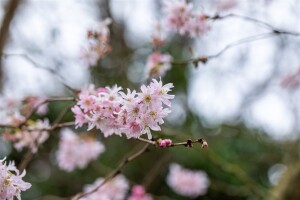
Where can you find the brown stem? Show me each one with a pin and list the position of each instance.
(25, 161)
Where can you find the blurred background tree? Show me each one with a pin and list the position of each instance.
(240, 101)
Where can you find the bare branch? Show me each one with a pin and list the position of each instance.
(205, 59)
(255, 21)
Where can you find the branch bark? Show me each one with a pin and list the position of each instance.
(11, 8)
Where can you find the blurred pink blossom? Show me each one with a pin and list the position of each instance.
(32, 135)
(158, 64)
(97, 44)
(177, 14)
(38, 103)
(115, 189)
(197, 25)
(291, 80)
(179, 18)
(138, 193)
(75, 151)
(189, 183)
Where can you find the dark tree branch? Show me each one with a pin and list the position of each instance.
(11, 8)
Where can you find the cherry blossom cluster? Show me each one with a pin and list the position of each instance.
(115, 189)
(133, 113)
(75, 151)
(14, 110)
(11, 183)
(98, 43)
(164, 143)
(188, 183)
(179, 17)
(138, 193)
(158, 64)
(31, 135)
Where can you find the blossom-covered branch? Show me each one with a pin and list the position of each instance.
(34, 108)
(168, 143)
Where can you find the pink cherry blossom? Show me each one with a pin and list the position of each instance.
(86, 102)
(138, 193)
(79, 116)
(11, 183)
(115, 189)
(133, 114)
(162, 91)
(75, 151)
(158, 64)
(189, 183)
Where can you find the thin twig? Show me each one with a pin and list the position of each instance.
(39, 66)
(26, 159)
(274, 32)
(61, 125)
(205, 59)
(256, 21)
(114, 173)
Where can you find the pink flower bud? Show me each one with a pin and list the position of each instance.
(162, 144)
